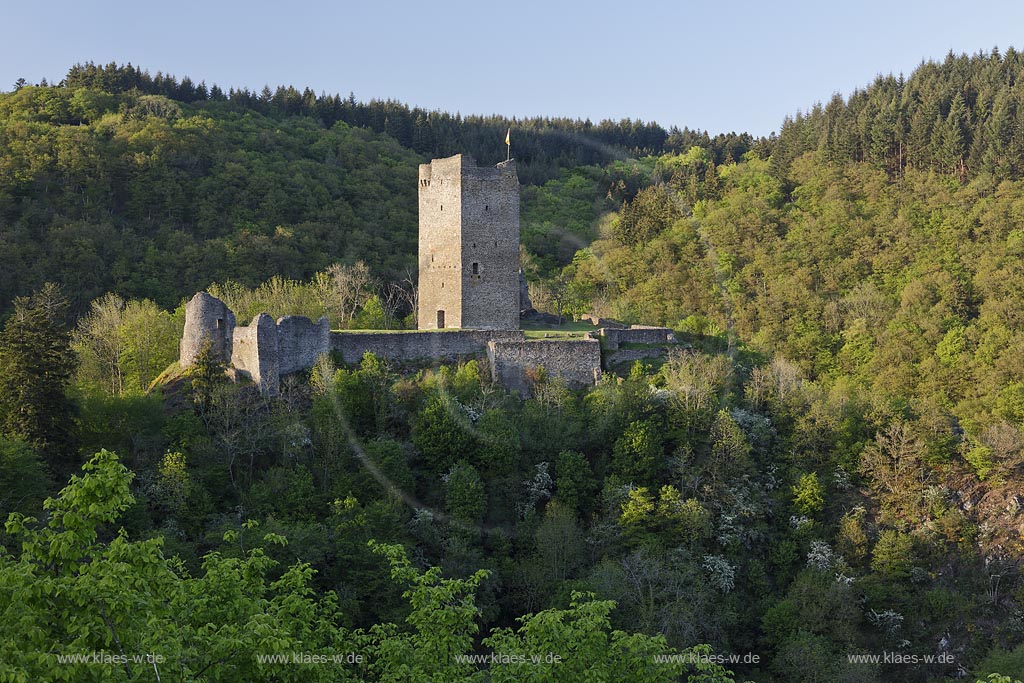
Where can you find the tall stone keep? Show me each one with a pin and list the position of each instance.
(469, 245)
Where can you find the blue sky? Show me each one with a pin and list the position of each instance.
(729, 65)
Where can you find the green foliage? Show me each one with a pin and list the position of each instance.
(36, 364)
(847, 301)
(578, 643)
(122, 346)
(574, 481)
(639, 453)
(205, 374)
(1010, 661)
(23, 478)
(637, 508)
(980, 459)
(686, 520)
(499, 443)
(653, 211)
(893, 554)
(123, 598)
(808, 498)
(372, 316)
(464, 495)
(443, 622)
(77, 590)
(440, 432)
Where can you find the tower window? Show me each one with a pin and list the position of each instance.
(476, 267)
(486, 208)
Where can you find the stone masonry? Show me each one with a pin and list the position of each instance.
(468, 245)
(636, 334)
(469, 285)
(576, 362)
(207, 320)
(265, 350)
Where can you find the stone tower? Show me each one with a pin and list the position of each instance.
(469, 245)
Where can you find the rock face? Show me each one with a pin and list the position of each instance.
(207, 320)
(468, 245)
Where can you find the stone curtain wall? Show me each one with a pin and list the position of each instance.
(636, 334)
(421, 345)
(264, 350)
(301, 341)
(577, 362)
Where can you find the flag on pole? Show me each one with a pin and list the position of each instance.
(508, 137)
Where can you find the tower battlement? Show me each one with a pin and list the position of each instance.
(468, 245)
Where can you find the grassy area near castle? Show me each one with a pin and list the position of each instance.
(569, 329)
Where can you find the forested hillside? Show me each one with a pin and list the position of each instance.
(828, 467)
(114, 180)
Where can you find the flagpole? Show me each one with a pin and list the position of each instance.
(508, 145)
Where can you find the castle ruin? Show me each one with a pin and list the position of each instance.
(468, 245)
(470, 298)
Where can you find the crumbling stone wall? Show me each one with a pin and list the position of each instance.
(301, 341)
(256, 353)
(207, 319)
(413, 346)
(636, 334)
(265, 350)
(577, 362)
(602, 322)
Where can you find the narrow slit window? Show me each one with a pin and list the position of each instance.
(476, 268)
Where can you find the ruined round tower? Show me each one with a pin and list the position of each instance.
(468, 245)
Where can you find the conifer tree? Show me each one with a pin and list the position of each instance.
(36, 365)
